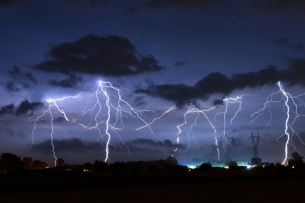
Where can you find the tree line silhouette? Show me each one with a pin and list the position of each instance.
(13, 164)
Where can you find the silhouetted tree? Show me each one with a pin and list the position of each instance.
(231, 163)
(100, 167)
(181, 168)
(60, 162)
(204, 168)
(297, 159)
(119, 168)
(10, 162)
(88, 166)
(172, 160)
(26, 163)
(282, 169)
(140, 166)
(152, 169)
(37, 164)
(209, 163)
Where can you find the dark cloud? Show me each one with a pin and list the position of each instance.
(216, 82)
(129, 11)
(59, 120)
(11, 133)
(289, 7)
(27, 106)
(282, 40)
(138, 101)
(8, 109)
(15, 73)
(72, 144)
(181, 4)
(179, 63)
(298, 46)
(167, 144)
(23, 108)
(10, 87)
(71, 82)
(11, 2)
(21, 80)
(108, 55)
(29, 77)
(86, 2)
(258, 128)
(218, 102)
(77, 145)
(236, 141)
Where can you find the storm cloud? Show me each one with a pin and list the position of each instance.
(298, 46)
(77, 145)
(281, 40)
(217, 82)
(181, 4)
(23, 108)
(86, 2)
(20, 80)
(70, 82)
(289, 7)
(129, 11)
(11, 2)
(107, 55)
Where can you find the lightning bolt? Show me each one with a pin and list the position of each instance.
(101, 96)
(193, 110)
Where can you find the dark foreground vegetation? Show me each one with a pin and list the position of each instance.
(19, 176)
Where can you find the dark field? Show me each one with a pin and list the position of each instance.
(241, 185)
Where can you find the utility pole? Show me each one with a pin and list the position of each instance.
(255, 141)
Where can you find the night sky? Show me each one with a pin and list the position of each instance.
(160, 53)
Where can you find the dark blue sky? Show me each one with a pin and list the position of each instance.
(159, 50)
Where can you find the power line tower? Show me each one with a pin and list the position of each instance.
(255, 141)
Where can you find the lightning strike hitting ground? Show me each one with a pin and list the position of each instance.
(116, 109)
(103, 96)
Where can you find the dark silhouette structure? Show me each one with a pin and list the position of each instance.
(255, 141)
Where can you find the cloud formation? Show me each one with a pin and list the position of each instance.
(107, 55)
(11, 2)
(77, 145)
(7, 109)
(289, 7)
(86, 2)
(71, 82)
(129, 11)
(23, 108)
(20, 80)
(298, 46)
(179, 63)
(181, 4)
(216, 82)
(10, 87)
(282, 40)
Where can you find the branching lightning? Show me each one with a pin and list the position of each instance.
(103, 96)
(108, 109)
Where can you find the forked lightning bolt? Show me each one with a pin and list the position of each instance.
(105, 95)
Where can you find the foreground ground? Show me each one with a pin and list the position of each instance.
(285, 190)
(215, 186)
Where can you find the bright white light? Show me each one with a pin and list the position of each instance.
(249, 166)
(191, 166)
